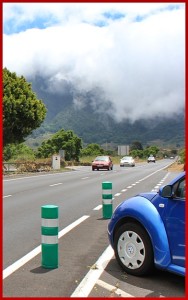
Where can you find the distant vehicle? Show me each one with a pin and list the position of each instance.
(148, 230)
(151, 158)
(102, 162)
(127, 161)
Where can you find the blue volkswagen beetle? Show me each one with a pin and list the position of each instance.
(148, 230)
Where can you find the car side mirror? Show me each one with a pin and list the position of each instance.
(166, 191)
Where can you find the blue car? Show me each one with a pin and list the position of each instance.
(148, 230)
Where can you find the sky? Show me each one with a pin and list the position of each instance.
(134, 53)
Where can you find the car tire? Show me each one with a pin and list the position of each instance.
(133, 249)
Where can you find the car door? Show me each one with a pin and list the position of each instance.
(174, 220)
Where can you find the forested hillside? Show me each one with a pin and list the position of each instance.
(94, 125)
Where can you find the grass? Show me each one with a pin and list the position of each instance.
(176, 167)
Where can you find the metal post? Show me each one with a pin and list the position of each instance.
(107, 200)
(49, 238)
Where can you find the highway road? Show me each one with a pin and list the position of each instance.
(87, 267)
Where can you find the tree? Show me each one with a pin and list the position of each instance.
(22, 111)
(62, 139)
(136, 146)
(151, 150)
(92, 149)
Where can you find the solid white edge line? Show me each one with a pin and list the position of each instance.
(22, 261)
(88, 282)
(71, 226)
(113, 288)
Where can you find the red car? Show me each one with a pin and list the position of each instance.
(102, 162)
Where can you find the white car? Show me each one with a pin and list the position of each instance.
(127, 161)
(151, 158)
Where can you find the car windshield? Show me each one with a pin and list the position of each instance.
(127, 157)
(102, 158)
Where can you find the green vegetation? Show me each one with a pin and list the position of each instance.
(18, 152)
(22, 111)
(182, 156)
(99, 127)
(152, 150)
(65, 140)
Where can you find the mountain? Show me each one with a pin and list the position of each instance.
(93, 122)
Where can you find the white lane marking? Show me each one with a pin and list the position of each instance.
(98, 207)
(129, 187)
(156, 188)
(133, 184)
(34, 176)
(117, 195)
(7, 196)
(71, 226)
(88, 282)
(124, 190)
(15, 266)
(85, 177)
(56, 184)
(113, 289)
(22, 261)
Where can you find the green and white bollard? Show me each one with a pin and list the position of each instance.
(49, 236)
(107, 200)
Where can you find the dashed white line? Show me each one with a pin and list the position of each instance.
(98, 207)
(117, 195)
(85, 177)
(55, 184)
(7, 196)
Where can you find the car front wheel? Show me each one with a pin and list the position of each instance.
(133, 249)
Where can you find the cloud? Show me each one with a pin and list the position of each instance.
(135, 54)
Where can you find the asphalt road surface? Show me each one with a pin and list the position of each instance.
(87, 267)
